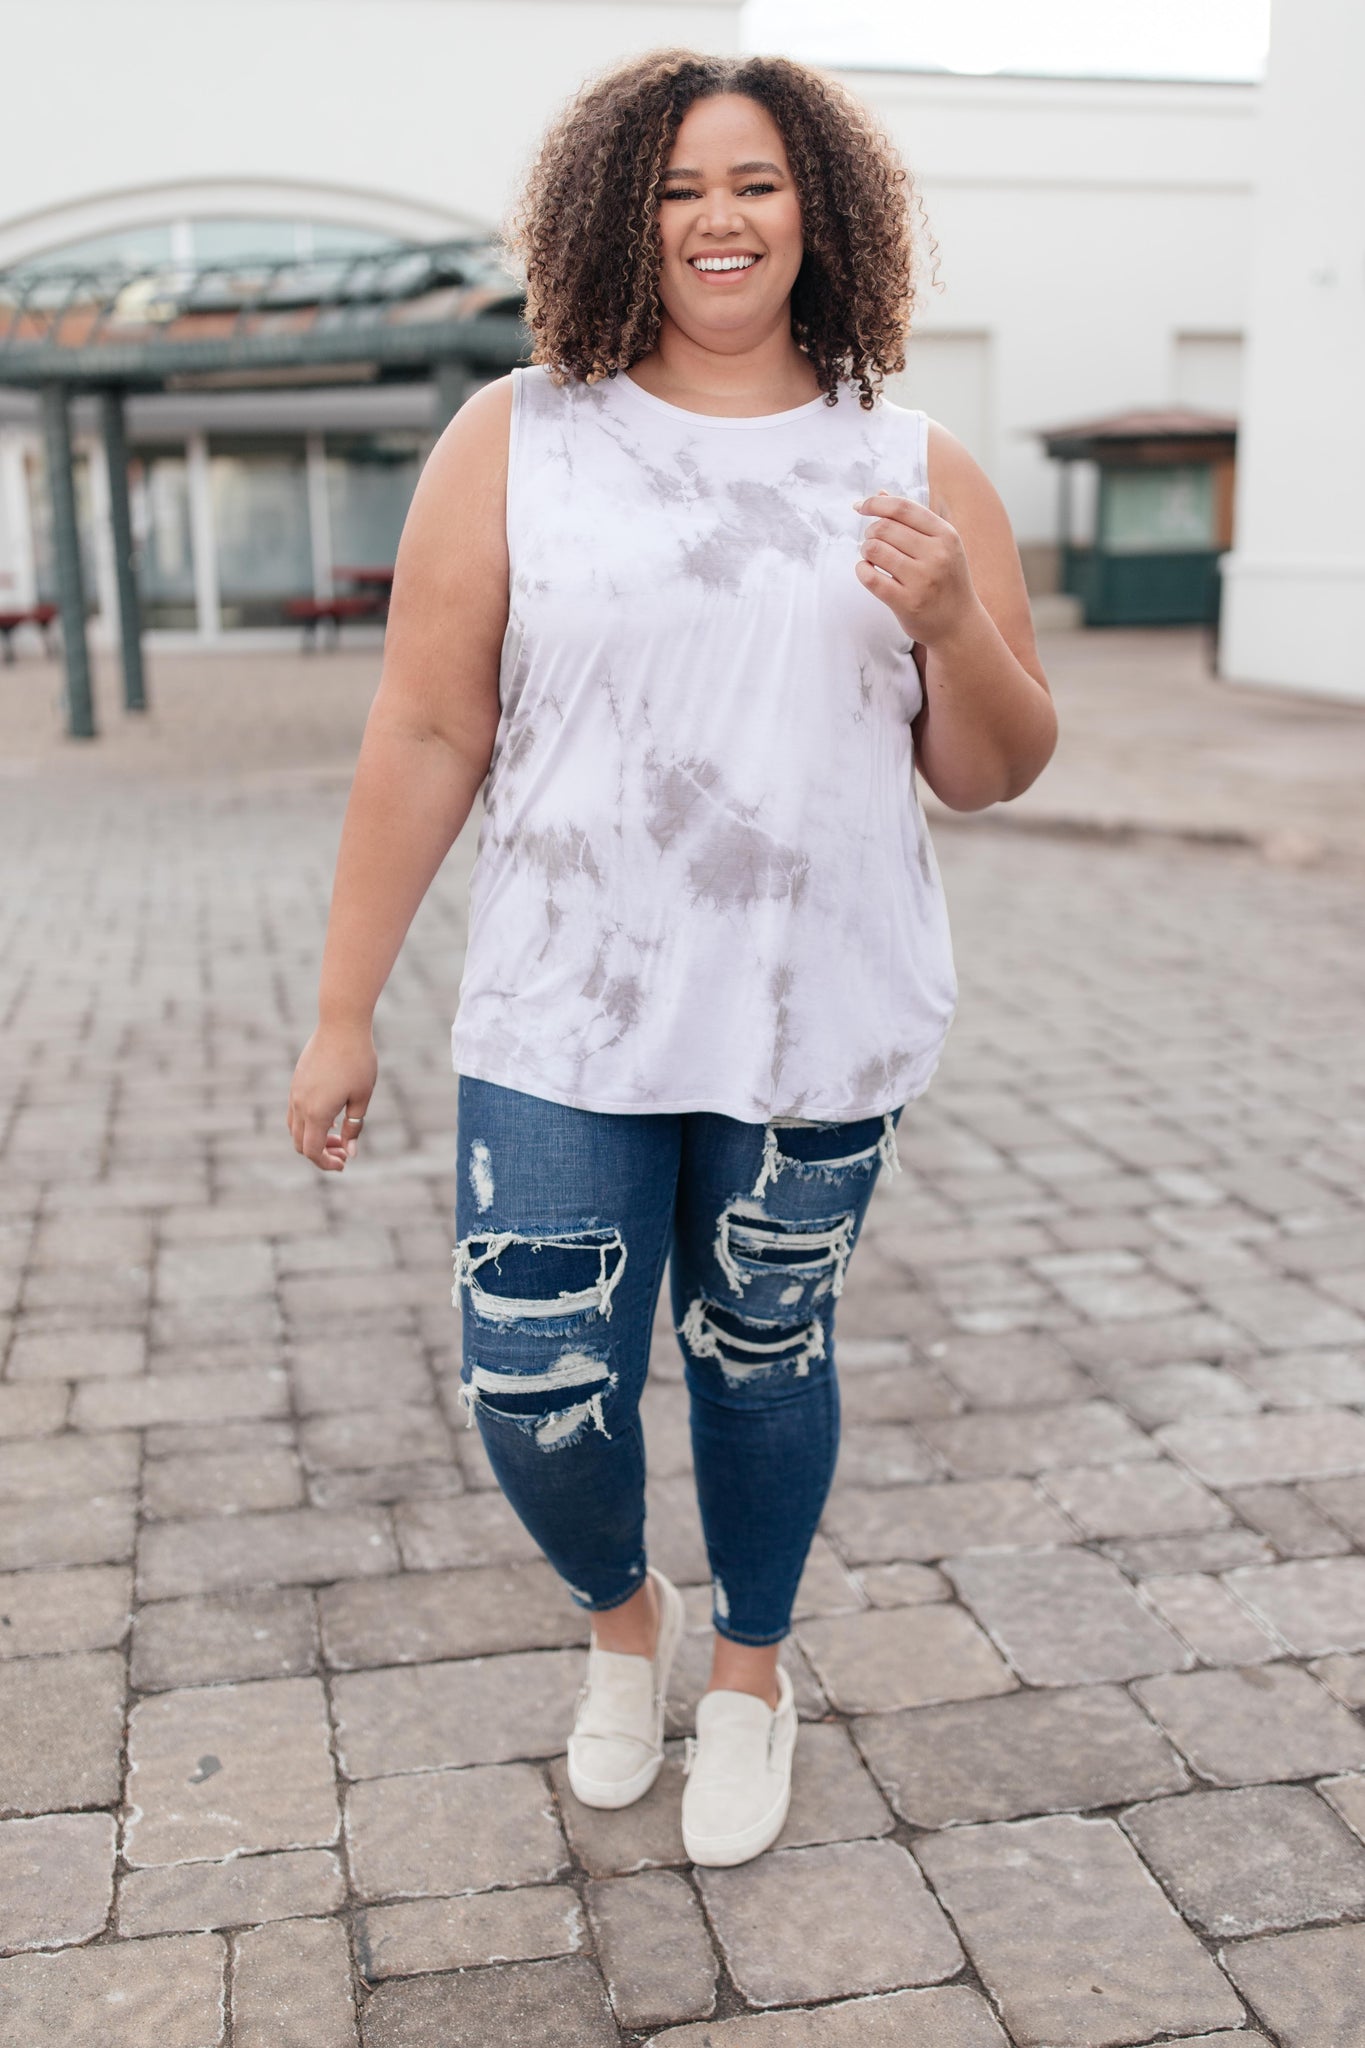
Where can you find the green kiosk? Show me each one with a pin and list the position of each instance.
(1162, 515)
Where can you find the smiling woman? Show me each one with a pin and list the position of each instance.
(676, 596)
(817, 192)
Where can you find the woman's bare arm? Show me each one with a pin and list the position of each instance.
(988, 727)
(424, 755)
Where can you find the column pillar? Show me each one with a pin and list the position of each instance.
(1293, 600)
(66, 548)
(203, 537)
(454, 382)
(125, 569)
(319, 516)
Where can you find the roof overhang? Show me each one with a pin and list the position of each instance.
(245, 326)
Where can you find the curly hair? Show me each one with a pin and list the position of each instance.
(583, 229)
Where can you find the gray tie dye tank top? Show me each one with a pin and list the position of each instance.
(703, 880)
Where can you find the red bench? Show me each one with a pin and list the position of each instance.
(39, 615)
(312, 613)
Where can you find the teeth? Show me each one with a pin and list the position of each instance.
(723, 262)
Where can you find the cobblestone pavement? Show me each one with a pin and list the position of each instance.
(1080, 1649)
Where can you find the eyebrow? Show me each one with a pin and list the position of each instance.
(735, 169)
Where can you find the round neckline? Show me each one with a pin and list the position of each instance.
(714, 419)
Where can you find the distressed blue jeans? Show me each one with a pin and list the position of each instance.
(565, 1219)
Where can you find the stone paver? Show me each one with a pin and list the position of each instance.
(1205, 1550)
(1171, 1393)
(1080, 1637)
(903, 1585)
(56, 1879)
(228, 1770)
(68, 1466)
(308, 1547)
(1204, 1613)
(83, 1608)
(1308, 1987)
(653, 1946)
(1316, 1606)
(1343, 1676)
(1064, 1617)
(63, 1728)
(801, 1924)
(422, 1935)
(32, 1411)
(1347, 1797)
(1145, 1499)
(919, 1523)
(1033, 1439)
(120, 1404)
(903, 1657)
(291, 1986)
(941, 2016)
(122, 1995)
(63, 1532)
(1058, 1912)
(563, 2001)
(482, 1710)
(187, 1898)
(202, 1641)
(1343, 1500)
(1240, 1450)
(1288, 1516)
(1026, 1752)
(427, 1615)
(452, 1831)
(1251, 1861)
(224, 1483)
(1255, 1723)
(638, 1837)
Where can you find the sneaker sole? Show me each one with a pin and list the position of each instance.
(625, 1791)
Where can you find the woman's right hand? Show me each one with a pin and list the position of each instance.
(335, 1077)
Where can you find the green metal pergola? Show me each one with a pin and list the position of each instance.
(449, 312)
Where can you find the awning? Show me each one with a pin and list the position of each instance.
(182, 326)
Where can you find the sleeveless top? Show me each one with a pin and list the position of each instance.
(703, 880)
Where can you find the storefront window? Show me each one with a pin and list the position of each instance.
(120, 248)
(158, 486)
(1158, 511)
(260, 513)
(370, 482)
(226, 239)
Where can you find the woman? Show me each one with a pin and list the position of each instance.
(688, 600)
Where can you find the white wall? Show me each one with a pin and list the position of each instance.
(428, 107)
(1294, 587)
(1093, 234)
(1082, 226)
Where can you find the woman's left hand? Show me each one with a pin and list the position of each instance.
(928, 583)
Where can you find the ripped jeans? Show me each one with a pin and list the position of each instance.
(565, 1218)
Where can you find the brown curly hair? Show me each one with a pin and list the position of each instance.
(581, 229)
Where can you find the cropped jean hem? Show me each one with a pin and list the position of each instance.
(732, 1635)
(610, 1606)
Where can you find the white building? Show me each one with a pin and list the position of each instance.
(1094, 247)
(1294, 584)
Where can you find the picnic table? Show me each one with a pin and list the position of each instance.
(39, 615)
(379, 579)
(368, 600)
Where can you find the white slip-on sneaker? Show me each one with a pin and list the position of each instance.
(616, 1749)
(738, 1770)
